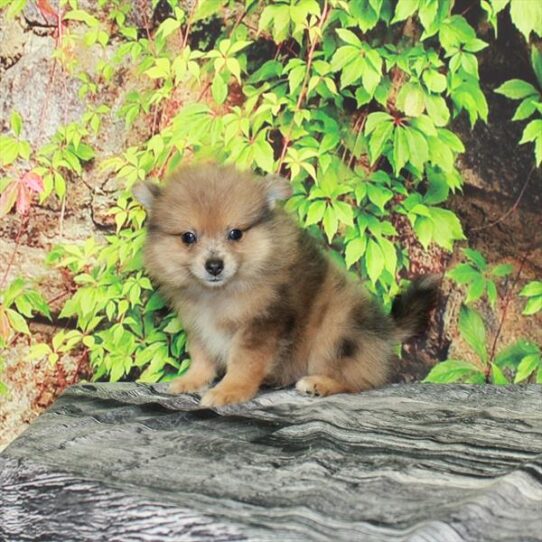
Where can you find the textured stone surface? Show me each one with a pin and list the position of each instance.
(417, 462)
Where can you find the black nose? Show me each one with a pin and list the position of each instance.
(214, 266)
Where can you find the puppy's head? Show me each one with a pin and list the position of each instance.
(210, 226)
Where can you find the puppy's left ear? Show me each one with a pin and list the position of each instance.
(277, 188)
(146, 192)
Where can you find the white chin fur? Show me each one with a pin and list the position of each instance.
(214, 283)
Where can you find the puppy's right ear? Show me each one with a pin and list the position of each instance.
(146, 192)
(277, 188)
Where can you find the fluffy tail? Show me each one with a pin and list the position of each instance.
(410, 310)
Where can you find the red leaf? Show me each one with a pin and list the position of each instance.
(33, 181)
(8, 198)
(23, 199)
(47, 9)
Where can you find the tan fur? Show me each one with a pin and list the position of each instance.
(281, 313)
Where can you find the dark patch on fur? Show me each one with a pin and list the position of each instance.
(367, 316)
(290, 323)
(152, 226)
(410, 310)
(283, 293)
(279, 320)
(347, 348)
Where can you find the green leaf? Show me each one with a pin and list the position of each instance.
(451, 371)
(349, 37)
(463, 273)
(404, 9)
(516, 89)
(472, 329)
(331, 224)
(533, 305)
(424, 125)
(437, 110)
(538, 150)
(428, 13)
(355, 249)
(9, 150)
(173, 326)
(491, 293)
(82, 16)
(400, 149)
(379, 138)
(316, 212)
(295, 77)
(344, 212)
(425, 230)
(263, 154)
(476, 258)
(38, 351)
(502, 270)
(418, 150)
(532, 288)
(379, 195)
(532, 131)
(390, 255)
(352, 72)
(167, 27)
(536, 61)
(343, 56)
(527, 16)
(525, 109)
(18, 323)
(447, 227)
(269, 70)
(512, 355)
(438, 188)
(207, 8)
(435, 81)
(476, 289)
(411, 100)
(450, 139)
(160, 70)
(526, 367)
(374, 260)
(376, 119)
(13, 292)
(497, 376)
(440, 154)
(219, 89)
(16, 122)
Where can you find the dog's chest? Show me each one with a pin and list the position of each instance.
(215, 336)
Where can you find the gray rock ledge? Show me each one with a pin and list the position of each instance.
(128, 462)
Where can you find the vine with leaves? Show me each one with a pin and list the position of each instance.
(352, 101)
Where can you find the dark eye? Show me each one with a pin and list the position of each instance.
(235, 235)
(188, 238)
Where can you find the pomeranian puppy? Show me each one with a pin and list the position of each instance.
(258, 299)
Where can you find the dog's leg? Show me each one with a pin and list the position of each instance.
(321, 385)
(201, 372)
(247, 366)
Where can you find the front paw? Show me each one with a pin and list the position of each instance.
(185, 384)
(225, 395)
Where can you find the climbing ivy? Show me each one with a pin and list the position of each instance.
(352, 101)
(516, 362)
